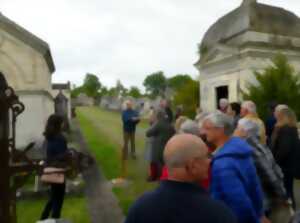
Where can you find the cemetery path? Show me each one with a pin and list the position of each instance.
(102, 203)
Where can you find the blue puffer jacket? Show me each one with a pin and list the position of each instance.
(235, 182)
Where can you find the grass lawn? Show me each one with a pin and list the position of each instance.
(103, 132)
(75, 209)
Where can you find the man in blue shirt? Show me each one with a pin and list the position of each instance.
(179, 199)
(130, 119)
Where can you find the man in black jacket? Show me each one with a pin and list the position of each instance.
(180, 199)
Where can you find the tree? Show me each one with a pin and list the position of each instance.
(278, 83)
(76, 91)
(188, 96)
(134, 92)
(178, 81)
(155, 84)
(91, 85)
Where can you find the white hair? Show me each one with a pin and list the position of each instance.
(250, 127)
(250, 106)
(223, 102)
(220, 120)
(281, 107)
(190, 127)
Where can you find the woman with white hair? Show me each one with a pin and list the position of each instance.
(269, 172)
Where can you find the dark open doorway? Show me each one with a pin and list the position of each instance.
(221, 92)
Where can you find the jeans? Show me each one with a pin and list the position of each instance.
(55, 203)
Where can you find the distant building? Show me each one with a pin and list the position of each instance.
(83, 100)
(241, 42)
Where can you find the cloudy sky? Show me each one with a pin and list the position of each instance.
(122, 39)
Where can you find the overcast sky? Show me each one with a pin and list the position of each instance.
(122, 39)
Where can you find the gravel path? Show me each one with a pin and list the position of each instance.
(102, 203)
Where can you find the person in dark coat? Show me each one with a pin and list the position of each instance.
(130, 119)
(285, 146)
(270, 122)
(160, 132)
(56, 145)
(180, 199)
(165, 105)
(234, 110)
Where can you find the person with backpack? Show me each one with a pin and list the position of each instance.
(234, 179)
(270, 174)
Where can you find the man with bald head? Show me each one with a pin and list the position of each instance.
(180, 199)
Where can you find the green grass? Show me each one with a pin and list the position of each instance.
(103, 132)
(74, 209)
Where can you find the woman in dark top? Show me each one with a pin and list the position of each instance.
(234, 110)
(56, 153)
(285, 143)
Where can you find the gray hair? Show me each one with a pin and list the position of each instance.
(190, 127)
(281, 107)
(250, 127)
(250, 106)
(220, 120)
(223, 102)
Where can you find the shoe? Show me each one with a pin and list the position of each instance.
(133, 156)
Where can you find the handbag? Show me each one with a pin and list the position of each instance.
(53, 175)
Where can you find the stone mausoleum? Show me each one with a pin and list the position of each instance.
(241, 42)
(27, 65)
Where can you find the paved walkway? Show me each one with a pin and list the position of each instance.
(102, 203)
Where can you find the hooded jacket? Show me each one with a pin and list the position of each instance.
(235, 181)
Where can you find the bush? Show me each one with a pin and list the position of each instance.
(277, 83)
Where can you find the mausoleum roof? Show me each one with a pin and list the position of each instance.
(252, 16)
(28, 38)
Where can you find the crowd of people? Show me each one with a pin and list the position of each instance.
(223, 166)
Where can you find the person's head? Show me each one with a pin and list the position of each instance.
(248, 107)
(278, 109)
(163, 103)
(223, 103)
(190, 127)
(234, 109)
(128, 104)
(218, 128)
(54, 126)
(186, 157)
(199, 110)
(286, 116)
(179, 122)
(247, 129)
(160, 115)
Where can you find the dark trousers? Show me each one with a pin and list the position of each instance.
(129, 137)
(289, 186)
(55, 203)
